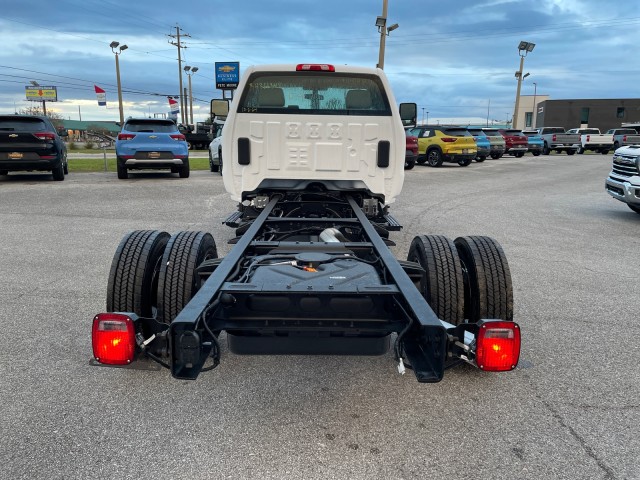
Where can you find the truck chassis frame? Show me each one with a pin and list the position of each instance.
(311, 272)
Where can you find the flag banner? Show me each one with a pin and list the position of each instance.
(174, 109)
(102, 96)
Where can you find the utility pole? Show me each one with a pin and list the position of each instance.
(177, 44)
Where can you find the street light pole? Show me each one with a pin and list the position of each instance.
(381, 23)
(190, 71)
(117, 53)
(523, 49)
(535, 108)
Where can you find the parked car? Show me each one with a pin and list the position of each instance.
(592, 139)
(516, 142)
(482, 144)
(534, 142)
(215, 149)
(498, 145)
(623, 137)
(411, 155)
(439, 143)
(31, 143)
(151, 143)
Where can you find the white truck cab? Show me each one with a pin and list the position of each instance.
(290, 126)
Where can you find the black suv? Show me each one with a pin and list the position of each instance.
(31, 142)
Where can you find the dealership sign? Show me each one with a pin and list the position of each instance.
(227, 75)
(50, 94)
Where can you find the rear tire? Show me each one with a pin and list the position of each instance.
(536, 154)
(123, 174)
(58, 172)
(220, 161)
(604, 152)
(580, 150)
(212, 167)
(133, 278)
(421, 160)
(481, 159)
(519, 154)
(434, 157)
(570, 152)
(409, 164)
(179, 280)
(546, 150)
(487, 279)
(184, 170)
(495, 156)
(443, 284)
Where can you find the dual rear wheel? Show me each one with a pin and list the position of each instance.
(155, 275)
(465, 280)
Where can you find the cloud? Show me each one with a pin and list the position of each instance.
(452, 59)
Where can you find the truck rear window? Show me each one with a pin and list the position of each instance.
(314, 93)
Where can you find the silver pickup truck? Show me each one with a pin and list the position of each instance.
(556, 139)
(623, 182)
(623, 137)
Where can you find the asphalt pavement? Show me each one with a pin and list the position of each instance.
(570, 410)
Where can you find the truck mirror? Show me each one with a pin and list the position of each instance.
(409, 114)
(219, 107)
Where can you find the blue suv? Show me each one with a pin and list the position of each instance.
(150, 143)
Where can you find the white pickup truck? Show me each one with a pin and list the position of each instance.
(314, 154)
(592, 140)
(623, 182)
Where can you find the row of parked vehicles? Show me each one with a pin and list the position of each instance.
(436, 144)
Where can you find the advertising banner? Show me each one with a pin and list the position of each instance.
(50, 94)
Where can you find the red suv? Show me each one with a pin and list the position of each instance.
(412, 152)
(516, 142)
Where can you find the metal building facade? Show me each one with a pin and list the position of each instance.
(596, 113)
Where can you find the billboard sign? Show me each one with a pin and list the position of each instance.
(227, 75)
(50, 94)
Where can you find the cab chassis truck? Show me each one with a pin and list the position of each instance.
(310, 270)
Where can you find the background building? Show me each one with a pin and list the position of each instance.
(596, 113)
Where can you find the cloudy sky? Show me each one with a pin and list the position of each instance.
(456, 59)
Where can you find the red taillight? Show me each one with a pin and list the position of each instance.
(553, 139)
(125, 136)
(315, 67)
(588, 138)
(114, 338)
(498, 346)
(448, 139)
(45, 136)
(178, 137)
(624, 139)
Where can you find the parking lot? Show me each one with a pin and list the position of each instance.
(570, 410)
